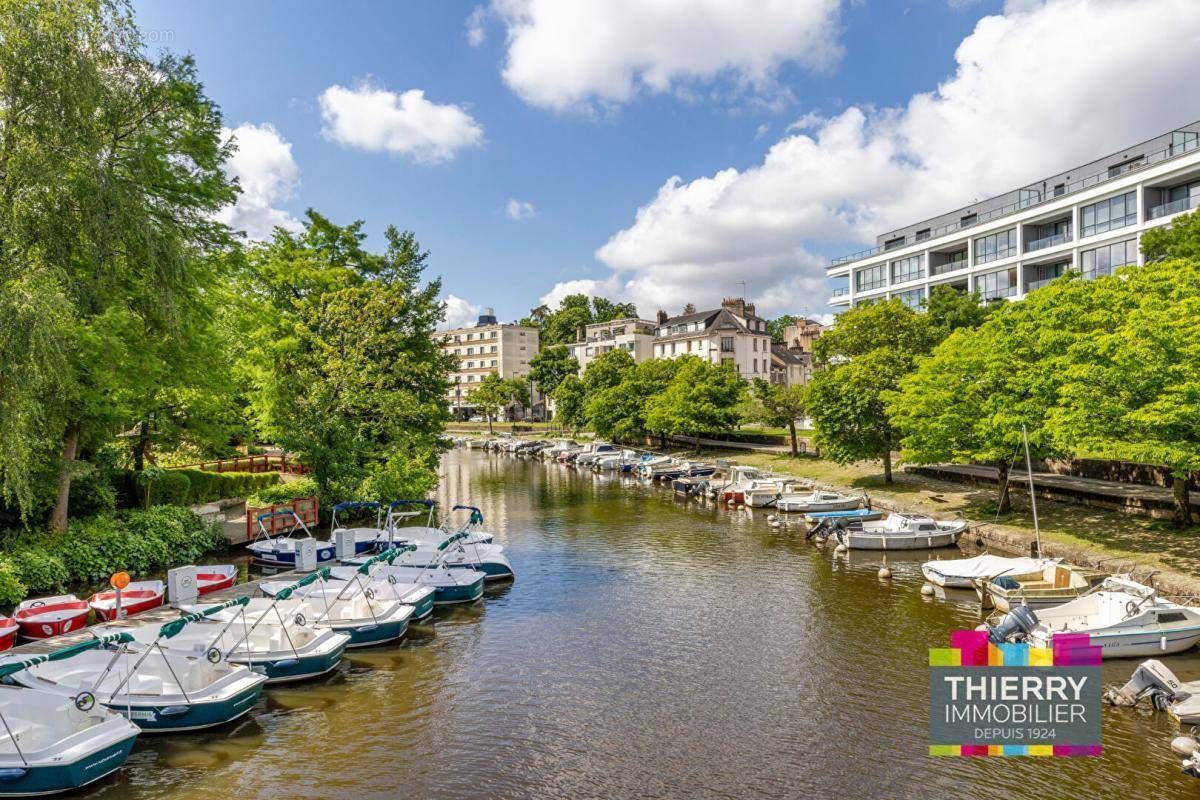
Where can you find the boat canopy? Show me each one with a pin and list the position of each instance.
(64, 652)
(987, 565)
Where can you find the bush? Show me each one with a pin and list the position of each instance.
(283, 493)
(92, 493)
(38, 570)
(205, 486)
(12, 591)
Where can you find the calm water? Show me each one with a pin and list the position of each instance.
(649, 648)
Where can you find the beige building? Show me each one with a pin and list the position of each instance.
(635, 336)
(732, 333)
(791, 361)
(489, 346)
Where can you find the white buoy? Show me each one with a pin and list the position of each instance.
(1185, 746)
(927, 590)
(841, 548)
(884, 572)
(775, 524)
(771, 518)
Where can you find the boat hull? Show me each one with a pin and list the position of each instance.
(34, 629)
(453, 595)
(288, 670)
(109, 613)
(805, 507)
(158, 718)
(1135, 644)
(38, 780)
(944, 581)
(283, 558)
(856, 540)
(368, 633)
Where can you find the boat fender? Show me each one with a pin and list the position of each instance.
(884, 572)
(213, 655)
(927, 590)
(1185, 746)
(1016, 623)
(13, 774)
(84, 701)
(286, 663)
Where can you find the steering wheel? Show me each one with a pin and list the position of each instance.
(1131, 608)
(85, 701)
(391, 579)
(369, 593)
(213, 655)
(300, 619)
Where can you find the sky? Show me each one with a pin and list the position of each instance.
(659, 151)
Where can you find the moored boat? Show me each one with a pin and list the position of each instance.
(214, 577)
(899, 532)
(817, 501)
(8, 632)
(958, 573)
(280, 551)
(1152, 679)
(1052, 585)
(136, 597)
(44, 617)
(367, 538)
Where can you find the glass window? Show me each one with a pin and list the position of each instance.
(1109, 215)
(1182, 141)
(913, 298)
(871, 278)
(1102, 261)
(997, 284)
(908, 269)
(996, 246)
(726, 344)
(1027, 197)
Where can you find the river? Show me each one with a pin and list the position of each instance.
(649, 647)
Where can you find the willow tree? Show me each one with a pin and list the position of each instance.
(110, 174)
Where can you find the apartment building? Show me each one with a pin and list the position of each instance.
(635, 336)
(489, 346)
(791, 360)
(732, 333)
(1089, 219)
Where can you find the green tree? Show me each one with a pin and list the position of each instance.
(574, 312)
(607, 370)
(702, 397)
(550, 366)
(570, 399)
(776, 326)
(1181, 240)
(491, 397)
(865, 355)
(948, 310)
(779, 406)
(619, 412)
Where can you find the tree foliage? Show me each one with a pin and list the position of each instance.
(776, 326)
(570, 400)
(550, 366)
(562, 325)
(619, 411)
(701, 398)
(778, 406)
(1179, 240)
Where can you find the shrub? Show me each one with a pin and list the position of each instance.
(12, 591)
(283, 493)
(205, 486)
(38, 569)
(92, 493)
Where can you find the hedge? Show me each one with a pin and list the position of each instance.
(138, 541)
(283, 493)
(205, 486)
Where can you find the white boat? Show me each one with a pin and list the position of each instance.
(594, 451)
(1052, 585)
(740, 477)
(159, 690)
(958, 573)
(816, 501)
(367, 538)
(764, 492)
(460, 548)
(899, 532)
(280, 551)
(616, 461)
(53, 743)
(475, 444)
(1166, 692)
(1124, 618)
(450, 585)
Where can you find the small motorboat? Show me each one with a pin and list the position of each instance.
(1124, 618)
(899, 532)
(1166, 692)
(280, 551)
(54, 743)
(367, 539)
(615, 461)
(463, 548)
(594, 451)
(400, 511)
(817, 501)
(764, 492)
(159, 690)
(214, 577)
(8, 632)
(958, 573)
(734, 490)
(687, 486)
(451, 586)
(137, 597)
(1052, 585)
(51, 616)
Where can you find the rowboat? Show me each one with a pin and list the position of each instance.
(51, 616)
(55, 743)
(280, 551)
(214, 577)
(958, 573)
(8, 632)
(1051, 585)
(899, 532)
(137, 597)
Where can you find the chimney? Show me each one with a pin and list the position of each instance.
(750, 310)
(735, 304)
(662, 316)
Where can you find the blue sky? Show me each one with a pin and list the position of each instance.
(577, 118)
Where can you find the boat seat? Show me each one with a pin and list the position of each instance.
(145, 685)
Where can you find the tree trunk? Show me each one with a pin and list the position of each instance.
(795, 447)
(489, 419)
(58, 519)
(142, 449)
(1183, 506)
(697, 443)
(887, 467)
(1002, 485)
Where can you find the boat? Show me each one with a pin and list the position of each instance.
(740, 477)
(8, 632)
(51, 616)
(898, 532)
(1152, 679)
(137, 597)
(958, 573)
(55, 743)
(763, 492)
(400, 511)
(375, 580)
(280, 551)
(817, 501)
(1049, 586)
(366, 538)
(1124, 618)
(593, 452)
(689, 485)
(471, 549)
(451, 586)
(160, 691)
(214, 577)
(616, 461)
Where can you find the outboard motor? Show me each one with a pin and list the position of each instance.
(1015, 626)
(1153, 679)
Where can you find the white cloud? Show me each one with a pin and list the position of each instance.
(377, 120)
(476, 33)
(518, 210)
(1003, 118)
(459, 313)
(267, 173)
(573, 55)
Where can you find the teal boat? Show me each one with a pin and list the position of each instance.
(161, 691)
(54, 743)
(451, 586)
(421, 598)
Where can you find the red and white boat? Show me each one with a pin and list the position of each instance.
(51, 616)
(135, 598)
(8, 632)
(213, 577)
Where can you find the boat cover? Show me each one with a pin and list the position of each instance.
(987, 566)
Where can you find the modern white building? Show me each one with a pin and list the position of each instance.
(489, 346)
(633, 335)
(1088, 219)
(732, 333)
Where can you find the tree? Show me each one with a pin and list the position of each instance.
(776, 326)
(570, 400)
(619, 412)
(549, 367)
(1181, 240)
(607, 370)
(865, 355)
(701, 398)
(110, 178)
(779, 406)
(948, 310)
(491, 397)
(574, 312)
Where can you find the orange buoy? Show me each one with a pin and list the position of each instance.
(119, 580)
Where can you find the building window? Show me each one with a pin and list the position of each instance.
(870, 278)
(493, 348)
(1124, 166)
(892, 244)
(908, 269)
(1103, 260)
(1109, 215)
(1039, 275)
(913, 298)
(755, 344)
(672, 348)
(996, 246)
(1182, 141)
(1028, 197)
(967, 220)
(953, 261)
(754, 363)
(726, 344)
(997, 284)
(922, 234)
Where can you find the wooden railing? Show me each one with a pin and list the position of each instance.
(250, 464)
(306, 508)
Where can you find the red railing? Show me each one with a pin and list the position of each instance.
(250, 464)
(306, 508)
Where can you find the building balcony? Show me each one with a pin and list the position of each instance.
(1049, 241)
(1167, 209)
